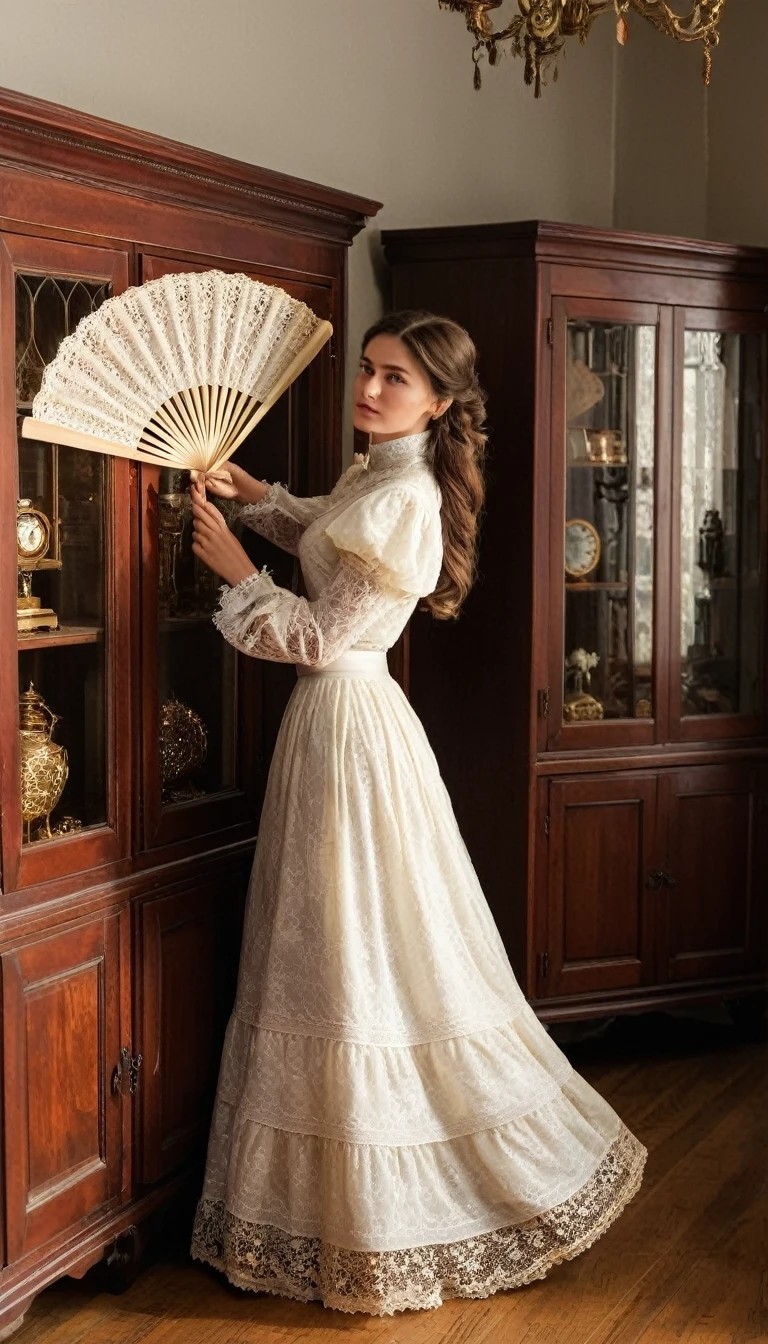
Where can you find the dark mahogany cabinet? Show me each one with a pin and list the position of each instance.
(600, 708)
(134, 742)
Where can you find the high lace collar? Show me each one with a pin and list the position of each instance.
(398, 452)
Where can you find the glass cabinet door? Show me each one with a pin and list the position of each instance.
(208, 711)
(196, 667)
(605, 509)
(718, 683)
(63, 526)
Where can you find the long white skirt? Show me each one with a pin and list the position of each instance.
(393, 1126)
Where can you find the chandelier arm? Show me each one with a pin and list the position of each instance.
(504, 34)
(693, 27)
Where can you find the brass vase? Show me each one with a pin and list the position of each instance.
(44, 768)
(183, 749)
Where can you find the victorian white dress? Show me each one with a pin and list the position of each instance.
(393, 1126)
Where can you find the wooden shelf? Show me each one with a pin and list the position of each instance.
(66, 635)
(587, 462)
(576, 587)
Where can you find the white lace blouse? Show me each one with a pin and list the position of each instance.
(368, 552)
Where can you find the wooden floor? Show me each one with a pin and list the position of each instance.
(687, 1262)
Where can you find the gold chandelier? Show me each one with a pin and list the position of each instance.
(539, 31)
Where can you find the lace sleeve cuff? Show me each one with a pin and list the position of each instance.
(244, 609)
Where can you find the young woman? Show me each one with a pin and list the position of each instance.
(393, 1125)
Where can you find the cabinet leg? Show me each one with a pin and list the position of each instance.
(9, 1328)
(750, 1016)
(122, 1261)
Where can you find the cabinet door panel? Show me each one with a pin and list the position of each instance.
(608, 524)
(188, 939)
(601, 849)
(717, 669)
(63, 1007)
(239, 700)
(718, 861)
(72, 639)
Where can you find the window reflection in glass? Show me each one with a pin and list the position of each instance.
(722, 441)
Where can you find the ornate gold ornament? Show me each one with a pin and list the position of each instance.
(539, 31)
(172, 510)
(183, 749)
(578, 705)
(44, 766)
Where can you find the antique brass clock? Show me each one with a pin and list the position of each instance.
(33, 541)
(582, 548)
(33, 531)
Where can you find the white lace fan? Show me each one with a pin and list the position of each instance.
(176, 372)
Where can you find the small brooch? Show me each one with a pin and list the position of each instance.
(360, 463)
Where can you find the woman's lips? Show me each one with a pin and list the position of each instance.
(368, 409)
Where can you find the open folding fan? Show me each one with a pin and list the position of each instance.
(176, 372)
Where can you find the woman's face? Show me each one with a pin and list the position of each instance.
(392, 395)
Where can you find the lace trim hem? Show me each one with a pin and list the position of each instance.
(263, 1258)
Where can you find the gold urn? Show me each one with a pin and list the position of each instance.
(44, 766)
(183, 749)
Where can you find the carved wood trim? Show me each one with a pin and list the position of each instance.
(92, 150)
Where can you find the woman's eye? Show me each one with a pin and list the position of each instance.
(396, 377)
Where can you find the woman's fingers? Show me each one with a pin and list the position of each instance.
(204, 509)
(204, 523)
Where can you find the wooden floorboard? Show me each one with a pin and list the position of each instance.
(687, 1263)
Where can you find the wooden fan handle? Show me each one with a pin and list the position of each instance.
(74, 438)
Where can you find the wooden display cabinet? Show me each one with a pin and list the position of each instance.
(603, 728)
(123, 886)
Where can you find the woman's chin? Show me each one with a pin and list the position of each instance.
(367, 424)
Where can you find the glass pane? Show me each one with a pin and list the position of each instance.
(197, 671)
(61, 600)
(609, 515)
(722, 445)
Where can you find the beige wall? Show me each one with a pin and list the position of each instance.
(689, 160)
(661, 123)
(374, 96)
(737, 200)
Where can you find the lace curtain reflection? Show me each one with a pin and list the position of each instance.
(645, 445)
(710, 437)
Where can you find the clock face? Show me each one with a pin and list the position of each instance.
(582, 548)
(31, 535)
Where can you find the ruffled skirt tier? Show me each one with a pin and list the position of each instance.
(393, 1125)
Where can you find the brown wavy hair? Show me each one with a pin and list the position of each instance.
(447, 355)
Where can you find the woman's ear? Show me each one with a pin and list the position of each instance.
(441, 407)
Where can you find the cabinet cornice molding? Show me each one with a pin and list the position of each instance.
(91, 150)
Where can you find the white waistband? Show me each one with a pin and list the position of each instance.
(353, 663)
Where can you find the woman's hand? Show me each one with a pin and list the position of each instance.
(214, 544)
(231, 482)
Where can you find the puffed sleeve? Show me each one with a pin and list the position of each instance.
(395, 533)
(282, 517)
(386, 552)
